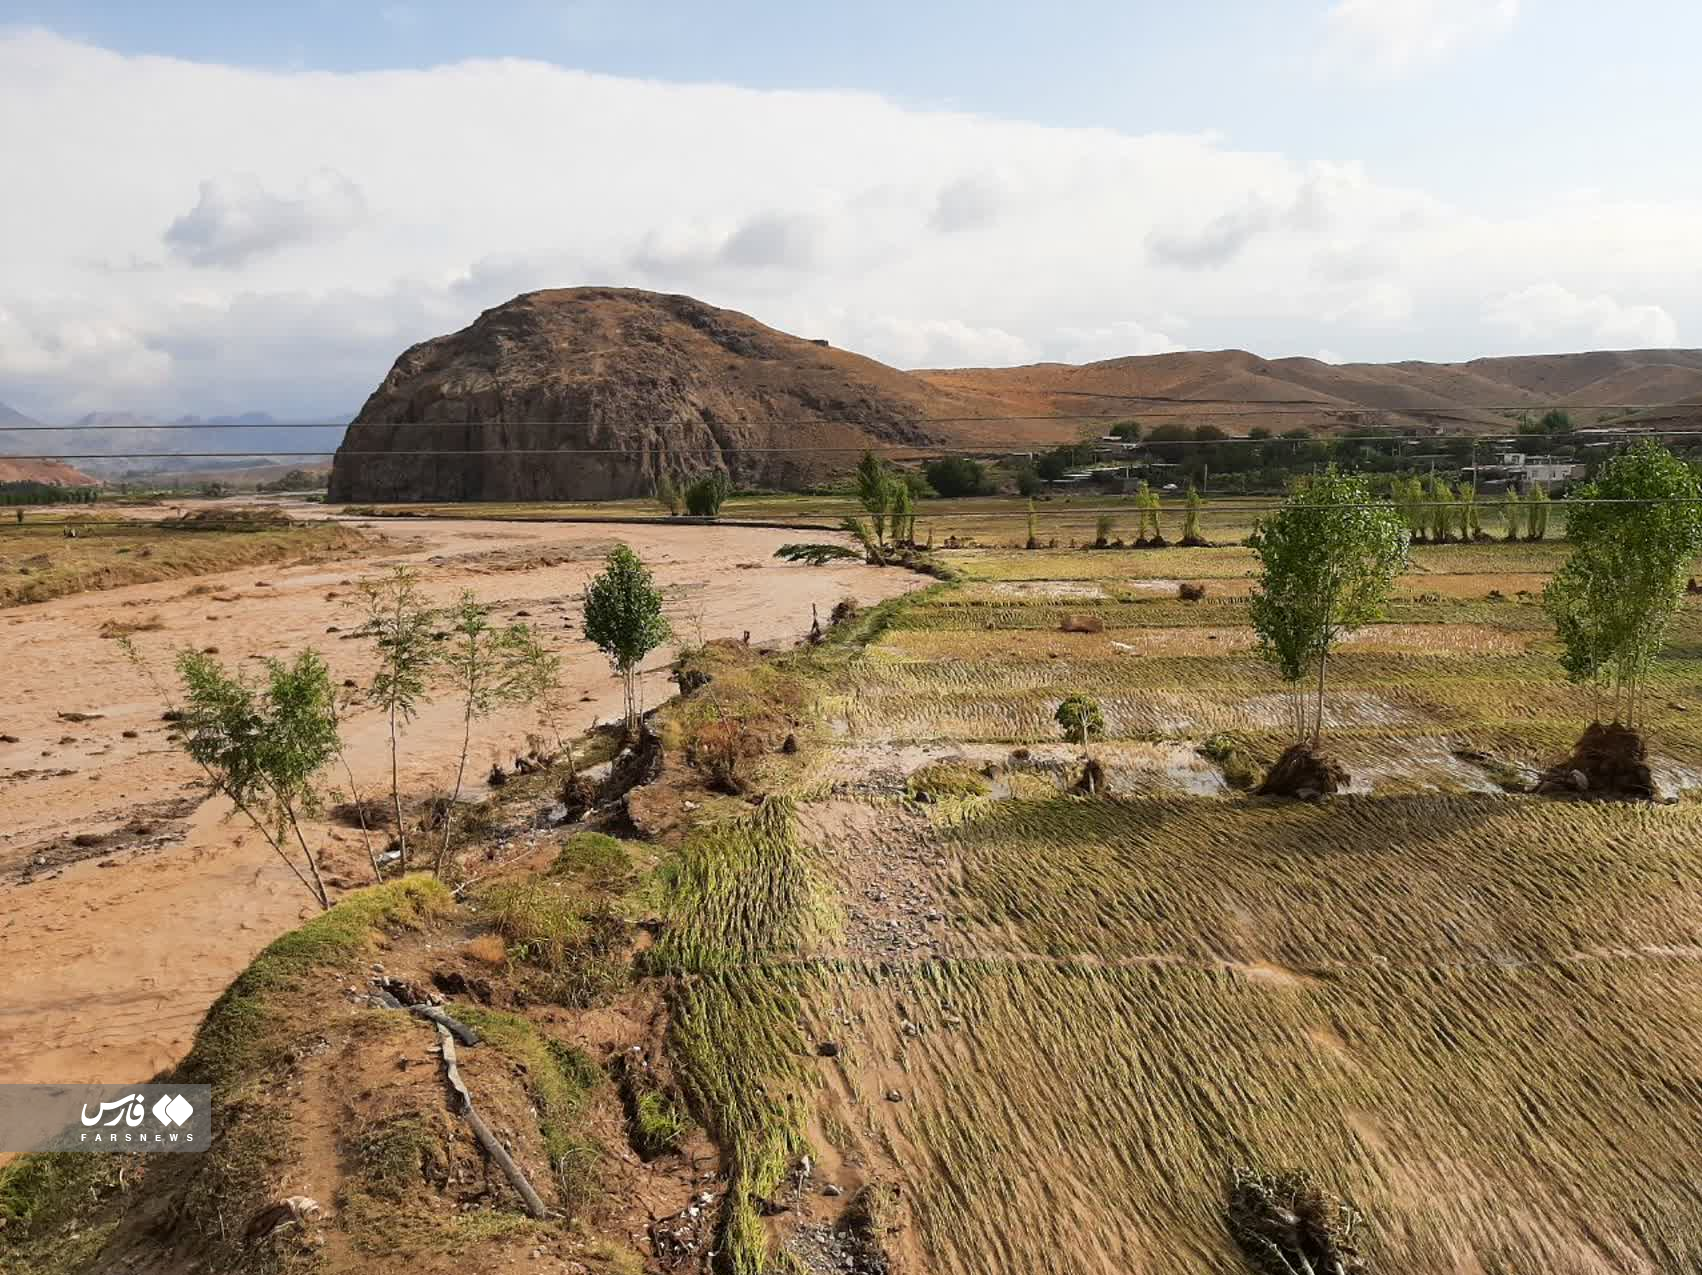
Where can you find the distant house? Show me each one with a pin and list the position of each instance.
(1526, 470)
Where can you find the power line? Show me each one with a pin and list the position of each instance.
(1254, 407)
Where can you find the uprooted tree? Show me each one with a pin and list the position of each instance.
(623, 618)
(1635, 530)
(1328, 559)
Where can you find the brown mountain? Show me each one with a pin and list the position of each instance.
(636, 383)
(645, 382)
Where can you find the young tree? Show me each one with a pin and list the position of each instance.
(1512, 513)
(1536, 512)
(874, 492)
(1033, 530)
(1441, 496)
(1613, 598)
(488, 667)
(903, 511)
(399, 623)
(263, 747)
(1328, 559)
(1469, 520)
(1409, 497)
(1192, 509)
(1080, 718)
(623, 618)
(668, 494)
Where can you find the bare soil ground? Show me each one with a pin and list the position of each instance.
(129, 903)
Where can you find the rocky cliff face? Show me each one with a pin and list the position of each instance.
(635, 384)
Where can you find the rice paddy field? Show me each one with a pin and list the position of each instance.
(1028, 1030)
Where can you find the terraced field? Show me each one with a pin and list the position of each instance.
(1041, 1030)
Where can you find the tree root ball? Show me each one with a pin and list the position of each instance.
(1610, 760)
(1304, 773)
(1091, 781)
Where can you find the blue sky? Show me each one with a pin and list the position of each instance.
(1454, 177)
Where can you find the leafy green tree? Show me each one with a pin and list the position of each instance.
(1028, 481)
(1536, 512)
(956, 476)
(624, 620)
(1080, 718)
(264, 747)
(668, 494)
(1613, 599)
(1128, 431)
(1147, 511)
(704, 496)
(399, 623)
(901, 510)
(1512, 513)
(1328, 559)
(1468, 519)
(488, 667)
(1192, 509)
(1441, 510)
(874, 492)
(1555, 421)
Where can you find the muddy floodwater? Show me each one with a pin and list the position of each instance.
(127, 902)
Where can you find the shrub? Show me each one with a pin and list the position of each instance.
(1189, 591)
(704, 496)
(721, 748)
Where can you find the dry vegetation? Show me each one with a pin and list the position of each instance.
(38, 561)
(1021, 1030)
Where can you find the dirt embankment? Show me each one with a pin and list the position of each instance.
(114, 948)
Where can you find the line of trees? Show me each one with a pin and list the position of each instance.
(1328, 558)
(267, 744)
(34, 493)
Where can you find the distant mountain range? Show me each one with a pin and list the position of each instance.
(117, 443)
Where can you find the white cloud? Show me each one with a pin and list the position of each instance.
(1394, 36)
(386, 207)
(236, 219)
(1548, 316)
(911, 343)
(1114, 341)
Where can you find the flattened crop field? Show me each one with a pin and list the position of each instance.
(1031, 1030)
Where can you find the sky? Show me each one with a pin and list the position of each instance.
(214, 208)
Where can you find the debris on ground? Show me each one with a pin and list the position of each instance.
(1305, 774)
(1609, 760)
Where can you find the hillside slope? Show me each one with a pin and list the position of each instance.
(31, 471)
(653, 383)
(592, 393)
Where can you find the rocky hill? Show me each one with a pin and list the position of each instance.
(646, 382)
(634, 384)
(31, 471)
